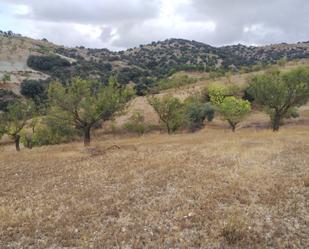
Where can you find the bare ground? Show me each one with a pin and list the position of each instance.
(211, 189)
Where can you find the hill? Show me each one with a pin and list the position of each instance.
(142, 66)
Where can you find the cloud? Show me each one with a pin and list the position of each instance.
(274, 21)
(119, 24)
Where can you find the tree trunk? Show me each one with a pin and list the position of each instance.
(276, 122)
(233, 125)
(168, 128)
(17, 140)
(87, 136)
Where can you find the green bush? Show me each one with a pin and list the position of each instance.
(6, 77)
(7, 97)
(49, 131)
(136, 123)
(46, 63)
(197, 113)
(216, 93)
(36, 90)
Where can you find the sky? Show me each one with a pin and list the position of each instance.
(121, 24)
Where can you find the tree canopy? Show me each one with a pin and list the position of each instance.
(279, 92)
(86, 102)
(234, 110)
(15, 119)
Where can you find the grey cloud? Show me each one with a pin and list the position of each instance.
(284, 20)
(128, 23)
(90, 11)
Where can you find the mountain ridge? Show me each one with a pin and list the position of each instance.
(23, 58)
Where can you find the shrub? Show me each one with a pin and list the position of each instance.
(7, 97)
(197, 113)
(217, 93)
(6, 77)
(234, 230)
(46, 63)
(248, 94)
(36, 90)
(136, 123)
(48, 131)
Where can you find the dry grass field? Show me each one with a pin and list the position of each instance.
(211, 189)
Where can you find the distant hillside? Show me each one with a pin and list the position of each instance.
(25, 58)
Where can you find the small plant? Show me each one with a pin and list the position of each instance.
(234, 230)
(136, 123)
(6, 77)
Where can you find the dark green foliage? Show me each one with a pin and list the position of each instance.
(248, 94)
(6, 97)
(35, 90)
(46, 63)
(126, 74)
(159, 60)
(6, 77)
(197, 113)
(145, 85)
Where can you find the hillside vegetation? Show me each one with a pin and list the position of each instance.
(143, 66)
(184, 146)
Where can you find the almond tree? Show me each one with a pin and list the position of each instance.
(233, 110)
(170, 111)
(280, 92)
(14, 120)
(85, 102)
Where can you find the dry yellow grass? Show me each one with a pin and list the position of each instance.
(211, 189)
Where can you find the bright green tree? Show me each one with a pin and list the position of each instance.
(170, 111)
(217, 93)
(233, 110)
(84, 103)
(279, 92)
(14, 120)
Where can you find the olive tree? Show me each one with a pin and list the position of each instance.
(233, 110)
(280, 92)
(84, 102)
(14, 120)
